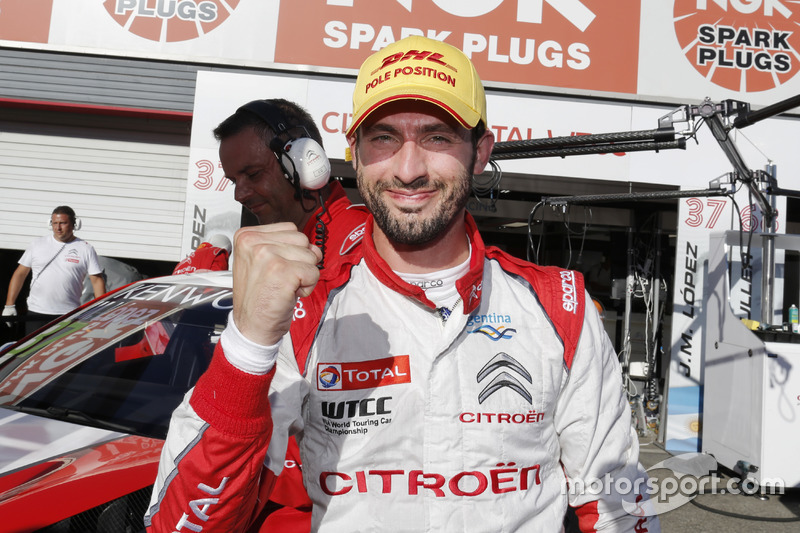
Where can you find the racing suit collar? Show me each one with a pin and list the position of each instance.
(469, 286)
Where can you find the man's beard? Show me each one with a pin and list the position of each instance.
(408, 228)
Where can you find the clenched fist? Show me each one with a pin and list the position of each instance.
(273, 266)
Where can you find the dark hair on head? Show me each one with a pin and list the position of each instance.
(296, 117)
(477, 132)
(65, 210)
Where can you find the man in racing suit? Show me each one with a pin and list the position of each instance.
(433, 383)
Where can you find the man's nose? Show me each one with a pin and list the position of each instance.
(409, 162)
(241, 190)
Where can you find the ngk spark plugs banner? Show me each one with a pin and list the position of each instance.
(572, 44)
(666, 50)
(739, 49)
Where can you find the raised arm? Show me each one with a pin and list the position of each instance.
(212, 472)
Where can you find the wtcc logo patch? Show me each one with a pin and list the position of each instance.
(363, 374)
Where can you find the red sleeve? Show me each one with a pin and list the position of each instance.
(218, 482)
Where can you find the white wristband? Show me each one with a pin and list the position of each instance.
(245, 354)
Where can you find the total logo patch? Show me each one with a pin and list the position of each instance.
(170, 20)
(363, 374)
(741, 45)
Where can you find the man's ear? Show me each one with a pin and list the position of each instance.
(351, 148)
(483, 148)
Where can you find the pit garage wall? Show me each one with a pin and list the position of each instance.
(670, 52)
(126, 186)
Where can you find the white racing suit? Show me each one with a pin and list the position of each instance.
(494, 420)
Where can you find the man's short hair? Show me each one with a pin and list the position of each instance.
(65, 210)
(297, 118)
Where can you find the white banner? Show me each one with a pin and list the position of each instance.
(698, 218)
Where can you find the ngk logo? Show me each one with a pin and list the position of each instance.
(170, 20)
(748, 7)
(741, 45)
(531, 11)
(581, 44)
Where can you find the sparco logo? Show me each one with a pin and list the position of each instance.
(504, 379)
(354, 238)
(428, 284)
(569, 297)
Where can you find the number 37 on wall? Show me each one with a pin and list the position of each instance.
(205, 176)
(706, 213)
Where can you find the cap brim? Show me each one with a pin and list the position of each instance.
(465, 115)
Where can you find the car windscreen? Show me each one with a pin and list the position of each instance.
(126, 361)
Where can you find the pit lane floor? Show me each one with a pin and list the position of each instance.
(714, 511)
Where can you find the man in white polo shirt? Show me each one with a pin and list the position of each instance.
(59, 264)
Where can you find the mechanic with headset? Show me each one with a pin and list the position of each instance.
(434, 383)
(59, 264)
(272, 152)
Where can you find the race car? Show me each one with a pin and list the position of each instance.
(85, 402)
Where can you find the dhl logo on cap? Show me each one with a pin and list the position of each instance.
(407, 70)
(413, 54)
(420, 68)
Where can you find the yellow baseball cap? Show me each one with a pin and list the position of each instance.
(420, 68)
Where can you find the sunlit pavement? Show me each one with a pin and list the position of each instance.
(715, 511)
